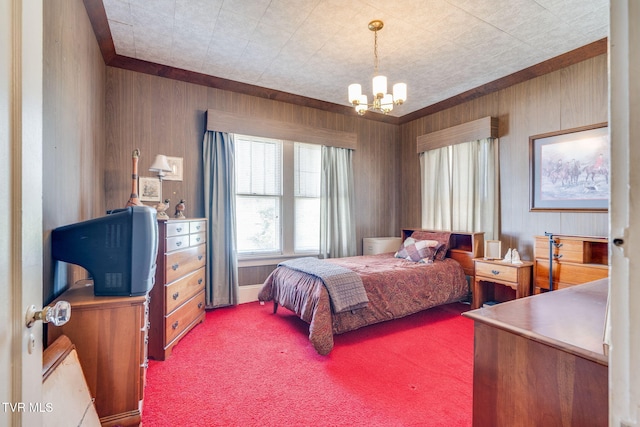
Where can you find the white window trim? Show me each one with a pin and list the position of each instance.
(287, 201)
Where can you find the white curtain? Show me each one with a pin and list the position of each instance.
(460, 188)
(218, 155)
(435, 171)
(337, 215)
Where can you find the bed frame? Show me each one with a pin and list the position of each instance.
(309, 299)
(463, 246)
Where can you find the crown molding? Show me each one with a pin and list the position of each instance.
(98, 18)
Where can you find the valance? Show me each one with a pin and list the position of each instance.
(486, 127)
(224, 121)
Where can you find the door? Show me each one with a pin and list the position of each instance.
(21, 211)
(624, 110)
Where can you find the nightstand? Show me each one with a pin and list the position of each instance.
(515, 276)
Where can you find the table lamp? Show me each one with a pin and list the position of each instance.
(160, 165)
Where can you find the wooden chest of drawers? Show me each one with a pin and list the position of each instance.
(110, 335)
(177, 298)
(574, 260)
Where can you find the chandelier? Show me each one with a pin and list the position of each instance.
(382, 101)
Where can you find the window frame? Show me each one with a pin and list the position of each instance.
(287, 211)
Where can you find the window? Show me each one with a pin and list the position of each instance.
(277, 196)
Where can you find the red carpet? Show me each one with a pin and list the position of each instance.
(247, 367)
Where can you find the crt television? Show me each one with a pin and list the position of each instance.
(118, 250)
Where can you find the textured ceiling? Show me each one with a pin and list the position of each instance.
(316, 48)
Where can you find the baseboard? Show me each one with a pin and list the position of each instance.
(248, 293)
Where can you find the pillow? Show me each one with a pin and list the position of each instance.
(441, 237)
(417, 250)
(432, 252)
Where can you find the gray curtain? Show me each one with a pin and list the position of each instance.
(337, 214)
(220, 210)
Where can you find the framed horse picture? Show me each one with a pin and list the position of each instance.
(569, 169)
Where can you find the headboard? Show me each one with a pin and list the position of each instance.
(463, 246)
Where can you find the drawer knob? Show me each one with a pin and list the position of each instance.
(174, 267)
(557, 256)
(495, 272)
(175, 325)
(199, 257)
(197, 227)
(199, 305)
(178, 229)
(197, 239)
(175, 296)
(200, 281)
(178, 243)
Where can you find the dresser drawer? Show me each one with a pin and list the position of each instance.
(178, 242)
(184, 261)
(184, 288)
(197, 239)
(181, 318)
(177, 228)
(588, 250)
(565, 274)
(197, 226)
(494, 271)
(564, 249)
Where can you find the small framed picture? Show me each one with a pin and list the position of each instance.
(492, 249)
(176, 169)
(149, 189)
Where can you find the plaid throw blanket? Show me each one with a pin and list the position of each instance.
(345, 287)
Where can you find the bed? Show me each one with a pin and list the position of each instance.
(395, 286)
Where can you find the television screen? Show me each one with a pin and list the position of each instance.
(118, 250)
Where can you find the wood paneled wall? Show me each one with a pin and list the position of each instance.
(163, 116)
(73, 122)
(572, 97)
(94, 116)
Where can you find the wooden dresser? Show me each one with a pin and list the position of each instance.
(110, 335)
(575, 260)
(177, 298)
(541, 361)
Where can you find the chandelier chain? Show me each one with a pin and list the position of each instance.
(375, 52)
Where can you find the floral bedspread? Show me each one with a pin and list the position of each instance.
(395, 288)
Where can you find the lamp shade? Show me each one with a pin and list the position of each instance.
(355, 90)
(362, 106)
(387, 103)
(399, 93)
(160, 165)
(379, 86)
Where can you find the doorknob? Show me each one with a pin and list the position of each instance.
(59, 314)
